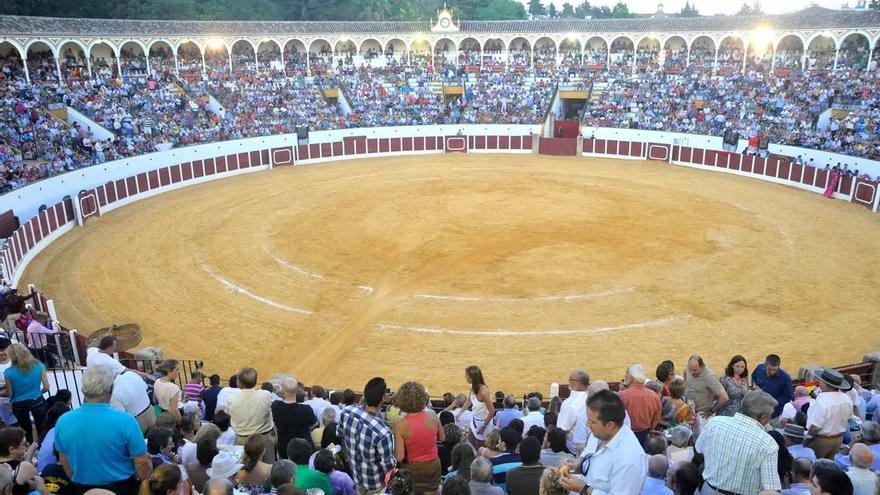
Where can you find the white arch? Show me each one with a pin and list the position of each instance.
(190, 40)
(816, 36)
(139, 43)
(75, 42)
(309, 47)
(587, 41)
(460, 44)
(363, 42)
(20, 50)
(238, 40)
(115, 49)
(486, 41)
(850, 33)
(435, 47)
(165, 42)
(342, 41)
(409, 47)
(626, 37)
(687, 44)
(786, 35)
(648, 37)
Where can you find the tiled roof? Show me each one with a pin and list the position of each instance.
(810, 18)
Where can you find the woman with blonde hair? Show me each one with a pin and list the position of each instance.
(416, 437)
(26, 382)
(253, 477)
(165, 390)
(550, 484)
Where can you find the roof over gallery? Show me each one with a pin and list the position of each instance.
(811, 18)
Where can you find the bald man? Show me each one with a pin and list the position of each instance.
(655, 483)
(863, 480)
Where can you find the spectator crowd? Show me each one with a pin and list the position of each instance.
(684, 432)
(143, 113)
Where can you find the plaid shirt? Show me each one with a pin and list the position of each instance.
(369, 443)
(740, 456)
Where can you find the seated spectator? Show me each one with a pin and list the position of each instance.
(492, 444)
(526, 479)
(462, 456)
(160, 446)
(328, 417)
(481, 478)
(795, 436)
(831, 483)
(224, 466)
(656, 444)
(800, 477)
(219, 486)
(283, 472)
(46, 454)
(871, 438)
(166, 480)
(655, 483)
(227, 433)
(456, 485)
(686, 479)
(533, 416)
(253, 477)
(197, 472)
(679, 449)
(864, 481)
(299, 450)
(165, 390)
(800, 398)
(508, 459)
(452, 437)
(325, 462)
(509, 412)
(555, 453)
(550, 483)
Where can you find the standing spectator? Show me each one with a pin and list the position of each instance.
(526, 479)
(572, 417)
(37, 333)
(704, 389)
(26, 382)
(367, 440)
(165, 390)
(227, 393)
(510, 412)
(318, 402)
(533, 416)
(795, 436)
(828, 415)
(481, 406)
(665, 374)
(774, 380)
(98, 446)
(481, 478)
(5, 406)
(682, 412)
(46, 454)
(325, 462)
(209, 396)
(736, 383)
(655, 483)
(250, 413)
(130, 395)
(292, 418)
(103, 356)
(618, 465)
(642, 404)
(740, 456)
(416, 437)
(193, 389)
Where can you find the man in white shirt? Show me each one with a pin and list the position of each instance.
(618, 464)
(103, 356)
(130, 395)
(828, 415)
(227, 393)
(318, 403)
(534, 416)
(573, 415)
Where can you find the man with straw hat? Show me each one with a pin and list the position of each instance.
(828, 415)
(795, 436)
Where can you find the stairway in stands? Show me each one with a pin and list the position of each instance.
(598, 93)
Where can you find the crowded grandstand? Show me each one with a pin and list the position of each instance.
(81, 93)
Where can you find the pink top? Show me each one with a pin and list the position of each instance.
(421, 446)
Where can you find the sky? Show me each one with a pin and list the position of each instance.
(710, 7)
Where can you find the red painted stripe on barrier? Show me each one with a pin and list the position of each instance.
(759, 165)
(102, 195)
(384, 145)
(430, 143)
(784, 170)
(264, 157)
(52, 218)
(686, 152)
(419, 143)
(337, 148)
(131, 186)
(254, 158)
(479, 142)
(395, 144)
(709, 157)
(220, 164)
(406, 144)
(325, 150)
(491, 142)
(636, 149)
(44, 223)
(527, 142)
(142, 183)
(697, 155)
(153, 176)
(372, 145)
(845, 185)
(503, 142)
(734, 160)
(611, 146)
(771, 167)
(175, 174)
(185, 171)
(231, 162)
(208, 163)
(796, 173)
(198, 169)
(28, 237)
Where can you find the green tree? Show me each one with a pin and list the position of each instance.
(551, 11)
(567, 11)
(536, 8)
(583, 10)
(496, 10)
(621, 11)
(689, 10)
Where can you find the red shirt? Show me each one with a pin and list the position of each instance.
(643, 406)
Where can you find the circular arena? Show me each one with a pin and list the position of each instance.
(430, 190)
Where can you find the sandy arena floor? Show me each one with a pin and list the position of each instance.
(415, 267)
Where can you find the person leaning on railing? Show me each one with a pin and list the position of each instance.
(103, 356)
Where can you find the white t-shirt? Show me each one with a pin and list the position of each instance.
(94, 357)
(318, 405)
(227, 437)
(130, 393)
(226, 393)
(187, 453)
(573, 419)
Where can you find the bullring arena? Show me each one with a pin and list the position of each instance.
(537, 263)
(533, 246)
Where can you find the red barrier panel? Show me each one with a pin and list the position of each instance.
(431, 143)
(456, 144)
(759, 166)
(231, 163)
(142, 182)
(491, 142)
(866, 192)
(772, 167)
(516, 143)
(734, 160)
(611, 147)
(845, 185)
(198, 169)
(796, 172)
(527, 143)
(406, 144)
(282, 156)
(658, 152)
(709, 157)
(153, 178)
(419, 143)
(559, 146)
(784, 171)
(821, 178)
(635, 149)
(220, 161)
(384, 145)
(504, 142)
(337, 148)
(589, 145)
(244, 160)
(326, 150)
(686, 153)
(697, 155)
(599, 146)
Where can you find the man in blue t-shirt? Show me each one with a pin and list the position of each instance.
(98, 446)
(774, 380)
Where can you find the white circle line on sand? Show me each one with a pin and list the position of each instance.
(290, 265)
(569, 297)
(241, 290)
(529, 333)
